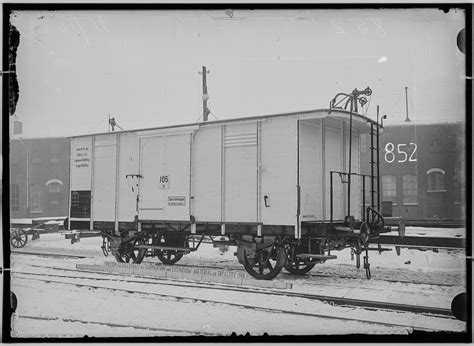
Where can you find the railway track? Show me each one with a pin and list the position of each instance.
(339, 301)
(315, 274)
(238, 268)
(118, 325)
(247, 306)
(54, 255)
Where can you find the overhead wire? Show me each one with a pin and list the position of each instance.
(210, 112)
(199, 117)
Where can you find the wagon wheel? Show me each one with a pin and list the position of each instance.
(296, 265)
(264, 264)
(129, 254)
(18, 238)
(168, 256)
(170, 239)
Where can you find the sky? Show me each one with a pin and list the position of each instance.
(75, 68)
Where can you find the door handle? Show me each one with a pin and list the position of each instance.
(266, 199)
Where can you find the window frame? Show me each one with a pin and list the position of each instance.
(433, 184)
(54, 184)
(15, 197)
(74, 199)
(390, 198)
(410, 198)
(35, 198)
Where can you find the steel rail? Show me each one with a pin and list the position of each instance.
(341, 301)
(247, 306)
(44, 254)
(115, 325)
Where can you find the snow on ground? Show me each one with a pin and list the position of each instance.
(172, 316)
(131, 307)
(180, 315)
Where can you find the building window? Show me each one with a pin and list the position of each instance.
(435, 180)
(15, 198)
(36, 192)
(81, 204)
(410, 190)
(389, 188)
(75, 199)
(54, 188)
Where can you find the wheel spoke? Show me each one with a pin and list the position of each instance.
(269, 265)
(260, 267)
(264, 264)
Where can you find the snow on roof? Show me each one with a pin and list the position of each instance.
(223, 121)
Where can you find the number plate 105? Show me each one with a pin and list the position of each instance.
(164, 182)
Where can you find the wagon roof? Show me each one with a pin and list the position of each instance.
(356, 117)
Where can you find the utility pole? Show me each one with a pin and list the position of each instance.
(406, 103)
(205, 96)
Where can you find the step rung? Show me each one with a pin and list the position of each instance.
(343, 229)
(310, 255)
(182, 249)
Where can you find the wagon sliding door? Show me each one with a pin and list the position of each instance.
(165, 169)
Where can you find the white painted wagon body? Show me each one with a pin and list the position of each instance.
(267, 170)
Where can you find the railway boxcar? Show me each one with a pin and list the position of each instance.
(286, 189)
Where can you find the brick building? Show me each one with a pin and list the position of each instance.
(39, 177)
(422, 170)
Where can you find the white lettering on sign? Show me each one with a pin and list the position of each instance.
(164, 182)
(174, 201)
(81, 157)
(403, 155)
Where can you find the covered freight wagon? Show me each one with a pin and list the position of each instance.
(262, 183)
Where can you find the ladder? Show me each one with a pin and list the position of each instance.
(374, 166)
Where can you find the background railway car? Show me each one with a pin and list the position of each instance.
(264, 182)
(422, 170)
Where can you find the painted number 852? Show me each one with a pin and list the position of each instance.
(402, 154)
